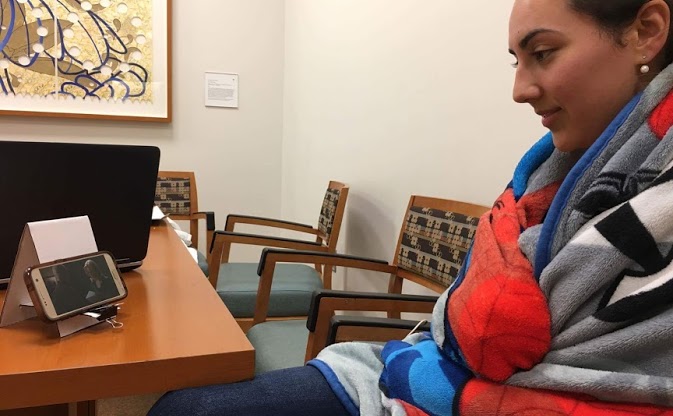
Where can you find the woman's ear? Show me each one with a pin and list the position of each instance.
(650, 31)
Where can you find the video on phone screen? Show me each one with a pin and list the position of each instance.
(79, 283)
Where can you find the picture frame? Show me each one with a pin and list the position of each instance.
(87, 59)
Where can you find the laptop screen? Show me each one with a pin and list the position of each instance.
(113, 184)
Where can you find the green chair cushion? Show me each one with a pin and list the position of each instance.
(278, 344)
(203, 263)
(291, 291)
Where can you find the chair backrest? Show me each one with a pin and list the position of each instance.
(176, 194)
(331, 214)
(434, 240)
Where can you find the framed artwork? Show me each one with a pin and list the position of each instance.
(101, 59)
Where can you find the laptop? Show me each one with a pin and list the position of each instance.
(113, 184)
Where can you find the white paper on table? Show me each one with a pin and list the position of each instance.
(157, 214)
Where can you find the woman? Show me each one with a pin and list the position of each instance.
(563, 305)
(101, 285)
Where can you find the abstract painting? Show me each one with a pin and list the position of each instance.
(85, 58)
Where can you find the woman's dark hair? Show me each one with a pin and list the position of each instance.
(615, 15)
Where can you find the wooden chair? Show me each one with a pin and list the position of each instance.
(290, 298)
(176, 196)
(434, 240)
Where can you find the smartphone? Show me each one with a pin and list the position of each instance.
(67, 287)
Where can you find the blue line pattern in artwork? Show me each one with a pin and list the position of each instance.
(73, 48)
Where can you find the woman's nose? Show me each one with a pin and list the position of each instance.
(526, 89)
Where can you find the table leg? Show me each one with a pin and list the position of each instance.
(82, 408)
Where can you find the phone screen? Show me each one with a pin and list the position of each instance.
(80, 283)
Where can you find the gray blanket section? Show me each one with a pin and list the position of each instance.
(358, 366)
(594, 263)
(629, 360)
(438, 317)
(582, 270)
(528, 242)
(605, 385)
(572, 219)
(637, 349)
(553, 169)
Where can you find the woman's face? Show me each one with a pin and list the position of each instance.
(92, 272)
(576, 77)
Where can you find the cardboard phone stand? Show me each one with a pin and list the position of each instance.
(45, 241)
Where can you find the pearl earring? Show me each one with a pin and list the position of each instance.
(644, 69)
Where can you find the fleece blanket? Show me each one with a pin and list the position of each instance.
(564, 305)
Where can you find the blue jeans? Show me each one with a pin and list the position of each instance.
(300, 391)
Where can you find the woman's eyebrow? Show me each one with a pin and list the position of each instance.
(529, 36)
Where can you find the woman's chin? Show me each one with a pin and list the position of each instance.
(563, 143)
(560, 143)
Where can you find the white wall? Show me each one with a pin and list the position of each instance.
(236, 154)
(397, 97)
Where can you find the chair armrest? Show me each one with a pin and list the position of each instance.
(271, 256)
(264, 240)
(359, 301)
(370, 325)
(326, 302)
(233, 219)
(193, 219)
(209, 216)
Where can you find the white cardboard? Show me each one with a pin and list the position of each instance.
(41, 242)
(17, 293)
(74, 324)
(62, 238)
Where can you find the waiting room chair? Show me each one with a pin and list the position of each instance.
(434, 240)
(290, 296)
(176, 196)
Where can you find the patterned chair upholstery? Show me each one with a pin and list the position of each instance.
(328, 211)
(173, 195)
(435, 243)
(293, 284)
(176, 196)
(435, 237)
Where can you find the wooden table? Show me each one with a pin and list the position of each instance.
(177, 333)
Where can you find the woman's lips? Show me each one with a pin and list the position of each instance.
(548, 117)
